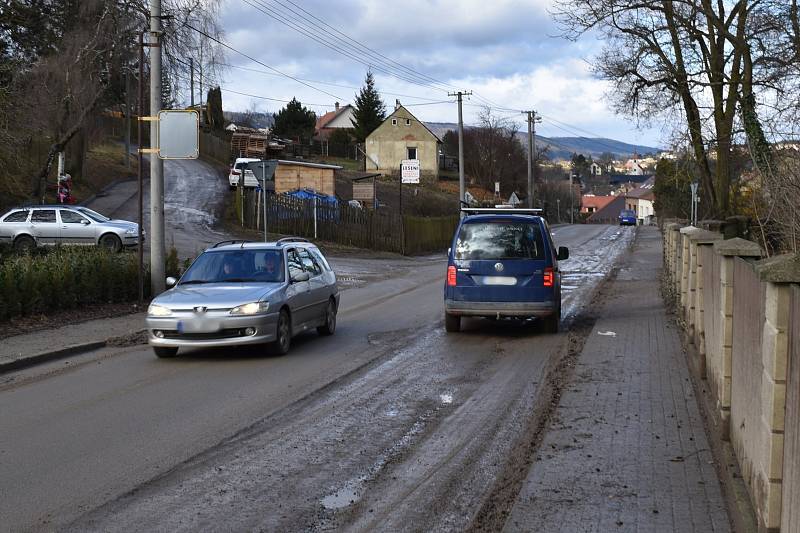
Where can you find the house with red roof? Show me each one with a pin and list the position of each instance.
(340, 118)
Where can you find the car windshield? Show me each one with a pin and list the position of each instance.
(94, 215)
(501, 239)
(236, 266)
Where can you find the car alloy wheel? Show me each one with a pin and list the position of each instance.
(330, 320)
(283, 336)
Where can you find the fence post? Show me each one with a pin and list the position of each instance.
(699, 240)
(719, 353)
(778, 272)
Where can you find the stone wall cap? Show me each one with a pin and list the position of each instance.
(688, 230)
(673, 226)
(738, 247)
(704, 236)
(779, 269)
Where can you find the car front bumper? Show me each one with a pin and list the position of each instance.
(500, 309)
(214, 332)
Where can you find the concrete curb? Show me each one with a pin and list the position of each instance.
(28, 361)
(43, 357)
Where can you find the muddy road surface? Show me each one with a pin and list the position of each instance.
(391, 424)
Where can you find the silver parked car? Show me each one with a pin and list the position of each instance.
(240, 292)
(28, 227)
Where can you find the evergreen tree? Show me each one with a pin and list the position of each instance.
(214, 116)
(167, 97)
(294, 121)
(369, 110)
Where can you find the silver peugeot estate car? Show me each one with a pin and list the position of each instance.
(241, 292)
(42, 225)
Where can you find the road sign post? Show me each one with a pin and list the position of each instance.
(264, 172)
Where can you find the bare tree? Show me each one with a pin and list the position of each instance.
(707, 58)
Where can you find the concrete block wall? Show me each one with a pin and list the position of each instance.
(749, 392)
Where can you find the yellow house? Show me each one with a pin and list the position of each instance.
(402, 136)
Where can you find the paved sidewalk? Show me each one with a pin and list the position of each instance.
(626, 450)
(32, 348)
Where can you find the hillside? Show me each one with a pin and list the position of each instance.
(564, 147)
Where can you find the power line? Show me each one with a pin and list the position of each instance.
(367, 48)
(254, 60)
(347, 50)
(266, 73)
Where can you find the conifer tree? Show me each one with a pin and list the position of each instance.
(369, 110)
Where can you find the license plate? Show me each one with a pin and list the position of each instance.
(198, 325)
(499, 280)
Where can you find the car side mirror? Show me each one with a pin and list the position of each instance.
(563, 253)
(84, 222)
(302, 276)
(171, 281)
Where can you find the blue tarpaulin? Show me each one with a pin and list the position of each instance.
(308, 194)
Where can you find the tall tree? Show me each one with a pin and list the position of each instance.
(295, 121)
(214, 114)
(369, 111)
(666, 54)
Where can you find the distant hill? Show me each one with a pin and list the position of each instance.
(252, 120)
(564, 147)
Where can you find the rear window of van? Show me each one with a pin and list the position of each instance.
(500, 239)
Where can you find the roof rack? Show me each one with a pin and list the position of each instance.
(232, 241)
(291, 239)
(500, 209)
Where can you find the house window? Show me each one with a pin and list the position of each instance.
(411, 152)
(408, 122)
(394, 122)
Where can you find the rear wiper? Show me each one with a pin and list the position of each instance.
(194, 282)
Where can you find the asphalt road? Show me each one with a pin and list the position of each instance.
(194, 200)
(389, 424)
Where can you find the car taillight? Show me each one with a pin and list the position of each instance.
(548, 277)
(451, 276)
(235, 172)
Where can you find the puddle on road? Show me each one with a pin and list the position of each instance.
(350, 492)
(446, 398)
(345, 496)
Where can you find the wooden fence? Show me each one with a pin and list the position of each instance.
(343, 224)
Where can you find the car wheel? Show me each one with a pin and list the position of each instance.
(24, 244)
(330, 320)
(110, 242)
(283, 334)
(452, 323)
(163, 352)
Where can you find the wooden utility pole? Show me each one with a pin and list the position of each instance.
(533, 118)
(461, 183)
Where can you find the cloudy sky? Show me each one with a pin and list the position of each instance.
(505, 51)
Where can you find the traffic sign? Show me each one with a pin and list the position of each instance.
(178, 134)
(409, 171)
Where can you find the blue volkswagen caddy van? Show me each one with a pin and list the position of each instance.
(503, 264)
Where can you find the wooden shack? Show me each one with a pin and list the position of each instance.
(293, 175)
(364, 189)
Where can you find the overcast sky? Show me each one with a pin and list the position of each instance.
(505, 51)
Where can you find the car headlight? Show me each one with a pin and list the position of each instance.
(132, 231)
(158, 310)
(251, 308)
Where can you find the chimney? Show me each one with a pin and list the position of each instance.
(336, 106)
(396, 104)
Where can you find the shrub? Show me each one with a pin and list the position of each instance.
(65, 278)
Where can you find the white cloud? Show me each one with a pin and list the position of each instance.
(503, 50)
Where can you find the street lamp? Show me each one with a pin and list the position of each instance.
(558, 206)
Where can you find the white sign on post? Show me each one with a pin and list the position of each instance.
(409, 171)
(178, 134)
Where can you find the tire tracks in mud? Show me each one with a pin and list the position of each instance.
(497, 505)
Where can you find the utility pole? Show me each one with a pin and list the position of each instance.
(157, 248)
(191, 79)
(461, 184)
(533, 118)
(127, 117)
